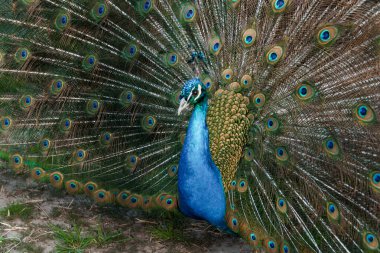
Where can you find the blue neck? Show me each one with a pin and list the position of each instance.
(201, 193)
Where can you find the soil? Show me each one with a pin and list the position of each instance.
(138, 229)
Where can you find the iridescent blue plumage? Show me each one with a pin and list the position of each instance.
(201, 193)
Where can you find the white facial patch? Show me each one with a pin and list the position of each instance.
(199, 92)
(191, 93)
(183, 104)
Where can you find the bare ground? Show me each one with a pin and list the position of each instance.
(137, 231)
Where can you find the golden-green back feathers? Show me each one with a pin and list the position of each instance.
(228, 125)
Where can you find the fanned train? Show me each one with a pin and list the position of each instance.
(258, 116)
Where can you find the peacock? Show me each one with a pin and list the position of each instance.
(257, 116)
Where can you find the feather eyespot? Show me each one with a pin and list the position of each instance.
(279, 6)
(89, 188)
(249, 37)
(272, 124)
(305, 92)
(131, 51)
(259, 100)
(246, 82)
(282, 154)
(56, 179)
(107, 136)
(232, 185)
(171, 59)
(73, 187)
(234, 224)
(102, 196)
(248, 154)
(89, 62)
(133, 201)
(168, 202)
(38, 173)
(106, 139)
(127, 98)
(149, 122)
(374, 178)
(227, 75)
(370, 241)
(333, 213)
(215, 45)
(331, 147)
(284, 248)
(21, 55)
(147, 5)
(99, 11)
(364, 114)
(45, 144)
(208, 83)
(5, 123)
(188, 13)
(242, 186)
(270, 245)
(26, 101)
(252, 236)
(327, 35)
(274, 55)
(66, 124)
(56, 86)
(93, 106)
(172, 170)
(281, 205)
(62, 21)
(80, 155)
(16, 161)
(132, 162)
(122, 198)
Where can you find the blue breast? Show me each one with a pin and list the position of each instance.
(201, 193)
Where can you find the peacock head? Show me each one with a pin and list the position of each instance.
(192, 93)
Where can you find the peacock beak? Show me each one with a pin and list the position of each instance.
(183, 104)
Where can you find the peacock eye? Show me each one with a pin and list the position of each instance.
(195, 92)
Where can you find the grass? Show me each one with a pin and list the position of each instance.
(71, 241)
(17, 210)
(171, 228)
(168, 232)
(27, 247)
(13, 244)
(55, 212)
(76, 241)
(6, 243)
(103, 237)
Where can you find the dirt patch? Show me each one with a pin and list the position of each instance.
(56, 218)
